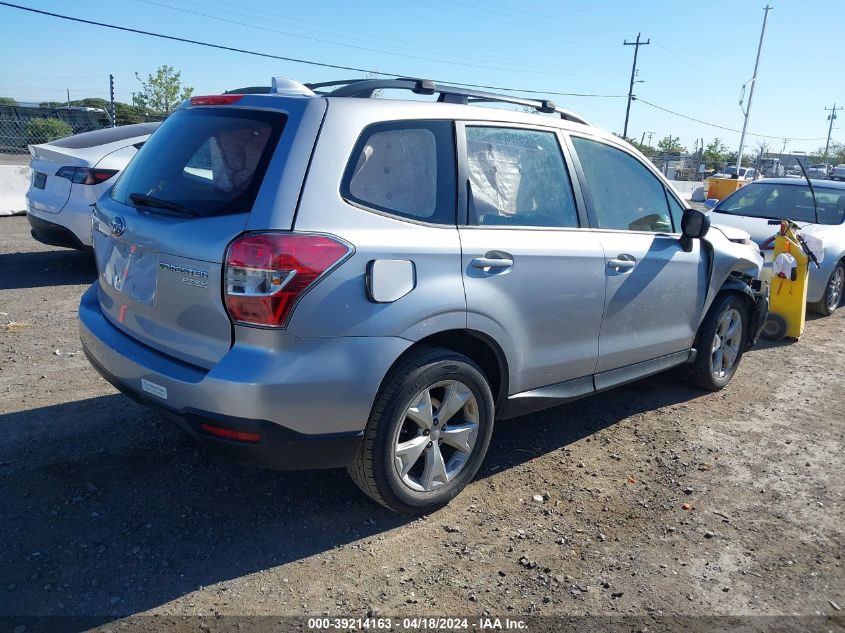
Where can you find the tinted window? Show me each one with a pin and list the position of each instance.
(209, 160)
(625, 194)
(518, 178)
(404, 168)
(778, 200)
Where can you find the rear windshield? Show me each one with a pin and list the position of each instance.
(795, 202)
(209, 161)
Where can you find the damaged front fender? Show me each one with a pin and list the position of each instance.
(735, 263)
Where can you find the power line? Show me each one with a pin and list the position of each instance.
(331, 31)
(722, 127)
(294, 60)
(354, 46)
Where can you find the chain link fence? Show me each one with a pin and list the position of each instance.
(675, 166)
(22, 125)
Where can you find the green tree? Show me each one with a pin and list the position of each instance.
(163, 91)
(835, 154)
(45, 130)
(671, 145)
(646, 149)
(7, 101)
(715, 155)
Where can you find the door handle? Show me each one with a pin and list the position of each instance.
(622, 262)
(492, 262)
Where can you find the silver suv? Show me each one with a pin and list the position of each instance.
(317, 278)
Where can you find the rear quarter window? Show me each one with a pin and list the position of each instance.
(405, 169)
(209, 160)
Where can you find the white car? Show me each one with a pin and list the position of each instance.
(70, 174)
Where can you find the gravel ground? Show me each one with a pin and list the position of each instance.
(657, 499)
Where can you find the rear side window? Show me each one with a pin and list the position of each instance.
(208, 160)
(518, 178)
(404, 168)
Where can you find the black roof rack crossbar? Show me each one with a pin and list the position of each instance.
(448, 94)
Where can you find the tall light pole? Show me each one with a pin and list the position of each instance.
(636, 44)
(753, 82)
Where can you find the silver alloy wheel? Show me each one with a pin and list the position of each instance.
(726, 342)
(834, 288)
(436, 436)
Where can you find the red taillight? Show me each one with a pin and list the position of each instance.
(216, 99)
(85, 175)
(266, 273)
(229, 434)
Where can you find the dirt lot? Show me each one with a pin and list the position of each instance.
(108, 511)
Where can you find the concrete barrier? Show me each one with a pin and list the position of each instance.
(14, 182)
(686, 187)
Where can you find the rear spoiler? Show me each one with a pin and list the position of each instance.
(45, 151)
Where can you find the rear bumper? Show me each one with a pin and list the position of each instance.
(278, 448)
(308, 401)
(54, 234)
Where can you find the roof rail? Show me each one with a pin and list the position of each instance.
(446, 94)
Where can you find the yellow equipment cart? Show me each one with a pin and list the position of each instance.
(788, 290)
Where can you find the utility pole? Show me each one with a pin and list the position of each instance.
(636, 44)
(830, 117)
(111, 99)
(753, 82)
(68, 98)
(650, 134)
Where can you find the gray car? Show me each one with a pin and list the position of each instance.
(754, 207)
(316, 278)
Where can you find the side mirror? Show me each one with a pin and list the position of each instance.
(694, 225)
(710, 203)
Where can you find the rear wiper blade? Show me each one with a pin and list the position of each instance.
(142, 200)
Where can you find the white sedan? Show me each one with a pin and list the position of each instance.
(69, 174)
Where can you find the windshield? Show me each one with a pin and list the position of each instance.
(204, 161)
(793, 201)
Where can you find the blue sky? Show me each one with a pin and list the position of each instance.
(700, 53)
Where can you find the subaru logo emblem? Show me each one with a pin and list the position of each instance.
(118, 226)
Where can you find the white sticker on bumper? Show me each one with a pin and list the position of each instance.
(156, 390)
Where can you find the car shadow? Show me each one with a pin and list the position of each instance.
(34, 269)
(109, 511)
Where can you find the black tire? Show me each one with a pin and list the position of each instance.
(825, 306)
(774, 329)
(373, 470)
(700, 372)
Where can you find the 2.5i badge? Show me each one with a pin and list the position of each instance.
(156, 390)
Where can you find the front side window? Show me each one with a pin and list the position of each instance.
(626, 195)
(517, 177)
(208, 161)
(404, 168)
(676, 211)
